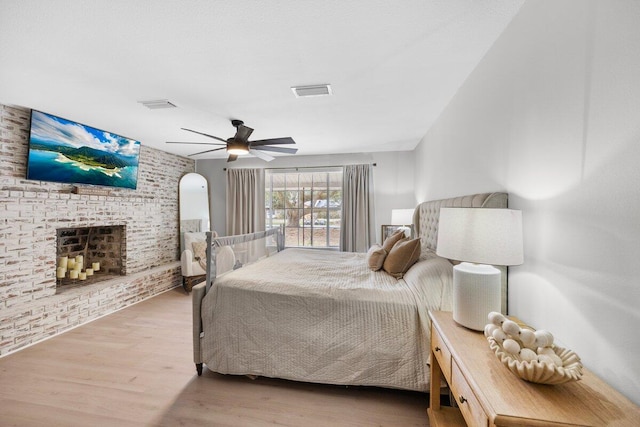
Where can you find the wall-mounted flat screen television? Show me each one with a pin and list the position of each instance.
(61, 150)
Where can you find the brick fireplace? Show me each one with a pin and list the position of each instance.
(32, 304)
(101, 249)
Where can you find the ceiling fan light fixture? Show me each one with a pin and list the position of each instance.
(239, 145)
(313, 90)
(237, 148)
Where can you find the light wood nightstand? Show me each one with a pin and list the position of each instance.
(488, 394)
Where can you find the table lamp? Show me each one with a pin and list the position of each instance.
(480, 238)
(403, 217)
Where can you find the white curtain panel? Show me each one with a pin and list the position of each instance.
(245, 201)
(357, 209)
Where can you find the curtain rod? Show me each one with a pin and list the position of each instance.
(308, 167)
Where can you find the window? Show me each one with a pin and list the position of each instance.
(308, 202)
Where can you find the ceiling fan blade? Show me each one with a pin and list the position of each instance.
(273, 141)
(205, 134)
(243, 133)
(277, 149)
(232, 158)
(260, 155)
(208, 151)
(194, 143)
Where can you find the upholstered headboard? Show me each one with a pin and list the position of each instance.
(427, 215)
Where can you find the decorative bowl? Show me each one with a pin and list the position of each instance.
(539, 372)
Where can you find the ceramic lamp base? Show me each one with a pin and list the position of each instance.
(476, 293)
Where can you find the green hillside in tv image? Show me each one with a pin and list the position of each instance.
(61, 150)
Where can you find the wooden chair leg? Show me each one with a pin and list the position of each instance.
(186, 284)
(189, 282)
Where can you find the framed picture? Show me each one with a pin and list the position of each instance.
(388, 230)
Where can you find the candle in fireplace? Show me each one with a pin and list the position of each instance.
(62, 262)
(96, 266)
(89, 271)
(61, 272)
(73, 274)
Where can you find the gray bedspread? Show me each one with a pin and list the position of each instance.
(320, 316)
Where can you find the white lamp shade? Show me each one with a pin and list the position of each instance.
(481, 235)
(401, 216)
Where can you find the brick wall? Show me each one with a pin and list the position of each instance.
(30, 213)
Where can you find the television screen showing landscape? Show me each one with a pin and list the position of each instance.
(64, 151)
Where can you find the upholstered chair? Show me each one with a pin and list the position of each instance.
(192, 270)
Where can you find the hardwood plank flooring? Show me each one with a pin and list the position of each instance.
(134, 368)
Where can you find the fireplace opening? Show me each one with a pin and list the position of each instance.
(89, 254)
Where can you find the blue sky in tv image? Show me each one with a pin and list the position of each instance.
(62, 150)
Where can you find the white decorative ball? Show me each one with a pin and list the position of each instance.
(546, 350)
(499, 335)
(527, 337)
(540, 342)
(542, 339)
(511, 346)
(548, 334)
(489, 328)
(528, 355)
(496, 318)
(511, 328)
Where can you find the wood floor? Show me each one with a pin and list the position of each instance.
(134, 368)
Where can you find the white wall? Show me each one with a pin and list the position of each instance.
(552, 115)
(392, 179)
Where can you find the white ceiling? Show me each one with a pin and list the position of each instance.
(393, 66)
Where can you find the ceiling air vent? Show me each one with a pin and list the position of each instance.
(314, 90)
(157, 104)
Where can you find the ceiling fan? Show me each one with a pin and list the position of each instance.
(239, 144)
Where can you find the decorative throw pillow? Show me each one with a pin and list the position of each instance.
(375, 257)
(191, 238)
(403, 255)
(390, 241)
(199, 250)
(200, 253)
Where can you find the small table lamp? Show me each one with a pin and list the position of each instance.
(481, 238)
(403, 217)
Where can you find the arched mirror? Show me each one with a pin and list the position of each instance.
(194, 205)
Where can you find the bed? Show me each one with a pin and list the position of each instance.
(325, 317)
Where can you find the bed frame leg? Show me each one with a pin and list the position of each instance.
(199, 368)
